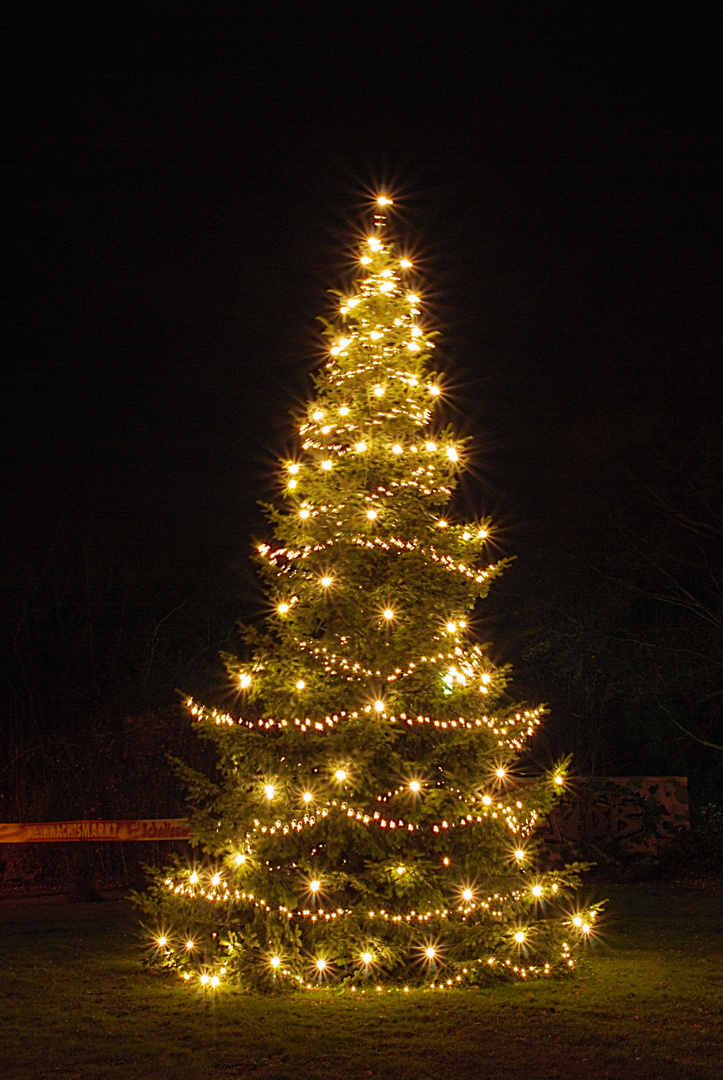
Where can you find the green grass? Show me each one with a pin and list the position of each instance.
(75, 1004)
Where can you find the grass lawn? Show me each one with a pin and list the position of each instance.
(75, 1004)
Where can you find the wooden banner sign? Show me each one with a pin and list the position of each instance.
(55, 831)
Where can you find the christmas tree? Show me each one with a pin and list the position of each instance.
(368, 825)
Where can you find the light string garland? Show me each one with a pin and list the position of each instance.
(369, 827)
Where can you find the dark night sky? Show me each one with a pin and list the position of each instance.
(183, 198)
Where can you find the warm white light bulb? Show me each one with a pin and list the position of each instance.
(388, 613)
(379, 391)
(430, 446)
(275, 961)
(367, 957)
(162, 941)
(270, 791)
(321, 964)
(520, 936)
(405, 263)
(413, 298)
(415, 785)
(374, 243)
(365, 259)
(451, 627)
(379, 706)
(326, 582)
(190, 945)
(452, 454)
(434, 391)
(244, 681)
(499, 772)
(304, 513)
(314, 886)
(300, 684)
(537, 890)
(520, 855)
(372, 515)
(318, 416)
(344, 410)
(307, 796)
(293, 468)
(397, 449)
(340, 774)
(431, 952)
(240, 859)
(360, 447)
(467, 894)
(326, 465)
(282, 609)
(382, 200)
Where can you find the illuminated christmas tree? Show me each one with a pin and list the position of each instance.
(368, 824)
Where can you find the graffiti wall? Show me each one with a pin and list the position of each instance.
(637, 814)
